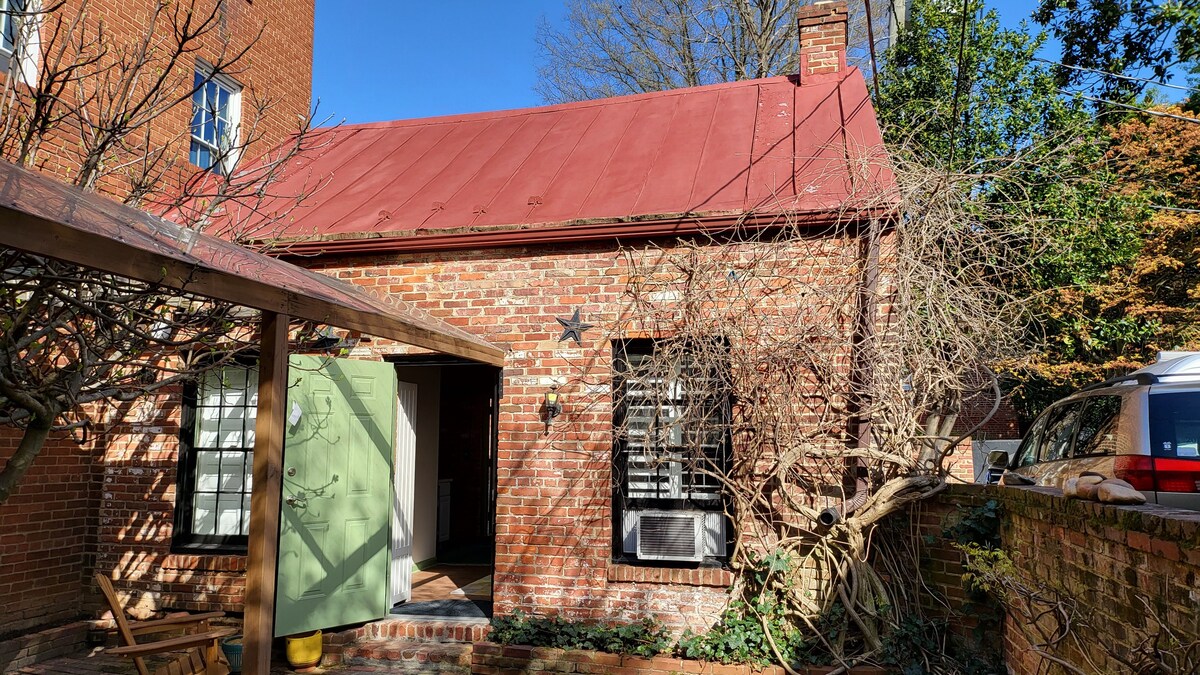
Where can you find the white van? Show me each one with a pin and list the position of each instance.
(1143, 428)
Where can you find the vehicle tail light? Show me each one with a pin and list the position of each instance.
(1137, 470)
(1177, 475)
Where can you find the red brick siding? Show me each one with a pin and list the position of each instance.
(553, 505)
(118, 508)
(278, 66)
(822, 38)
(46, 531)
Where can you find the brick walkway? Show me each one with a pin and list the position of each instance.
(103, 664)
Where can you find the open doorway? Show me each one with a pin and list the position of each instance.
(445, 486)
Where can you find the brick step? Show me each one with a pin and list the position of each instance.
(410, 656)
(403, 630)
(427, 630)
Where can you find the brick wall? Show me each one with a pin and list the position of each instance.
(822, 38)
(45, 536)
(1122, 569)
(276, 67)
(139, 459)
(111, 499)
(554, 493)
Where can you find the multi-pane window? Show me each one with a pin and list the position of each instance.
(671, 413)
(11, 15)
(216, 103)
(217, 457)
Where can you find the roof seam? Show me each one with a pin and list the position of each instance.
(565, 160)
(439, 172)
(657, 154)
(351, 158)
(691, 202)
(608, 162)
(479, 170)
(521, 165)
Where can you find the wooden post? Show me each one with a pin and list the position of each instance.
(264, 498)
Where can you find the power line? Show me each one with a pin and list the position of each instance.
(1119, 75)
(1144, 111)
(1177, 209)
(959, 79)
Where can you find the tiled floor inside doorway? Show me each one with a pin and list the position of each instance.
(450, 591)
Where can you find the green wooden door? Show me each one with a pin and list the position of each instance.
(337, 491)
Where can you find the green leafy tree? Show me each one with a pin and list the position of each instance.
(964, 93)
(1122, 36)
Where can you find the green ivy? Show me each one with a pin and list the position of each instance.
(979, 525)
(740, 633)
(644, 638)
(907, 650)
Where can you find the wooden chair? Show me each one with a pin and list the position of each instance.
(202, 652)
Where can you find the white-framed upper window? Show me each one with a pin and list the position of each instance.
(216, 114)
(10, 24)
(20, 41)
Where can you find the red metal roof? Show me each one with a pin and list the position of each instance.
(765, 145)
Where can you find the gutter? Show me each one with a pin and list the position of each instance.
(366, 243)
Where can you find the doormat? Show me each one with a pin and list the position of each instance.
(449, 609)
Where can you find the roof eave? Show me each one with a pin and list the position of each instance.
(614, 229)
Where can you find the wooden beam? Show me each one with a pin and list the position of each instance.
(52, 239)
(41, 216)
(265, 495)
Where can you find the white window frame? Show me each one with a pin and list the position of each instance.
(234, 122)
(20, 59)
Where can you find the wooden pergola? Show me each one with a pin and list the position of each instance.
(44, 217)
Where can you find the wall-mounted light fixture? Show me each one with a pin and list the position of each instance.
(553, 404)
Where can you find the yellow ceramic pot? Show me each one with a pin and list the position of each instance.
(304, 649)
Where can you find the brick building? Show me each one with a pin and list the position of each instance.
(505, 224)
(66, 505)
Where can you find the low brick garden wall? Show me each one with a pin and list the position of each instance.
(492, 659)
(1124, 568)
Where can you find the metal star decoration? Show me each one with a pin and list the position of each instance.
(573, 328)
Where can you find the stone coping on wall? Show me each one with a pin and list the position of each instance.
(1172, 533)
(704, 576)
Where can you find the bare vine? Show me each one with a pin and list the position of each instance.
(833, 357)
(111, 115)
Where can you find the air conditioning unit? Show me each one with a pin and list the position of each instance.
(673, 535)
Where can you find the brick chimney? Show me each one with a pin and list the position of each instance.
(822, 39)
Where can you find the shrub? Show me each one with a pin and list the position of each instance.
(644, 638)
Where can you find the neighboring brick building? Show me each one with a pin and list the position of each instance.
(50, 528)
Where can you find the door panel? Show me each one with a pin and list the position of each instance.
(402, 509)
(333, 542)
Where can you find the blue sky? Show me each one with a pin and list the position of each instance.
(400, 59)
